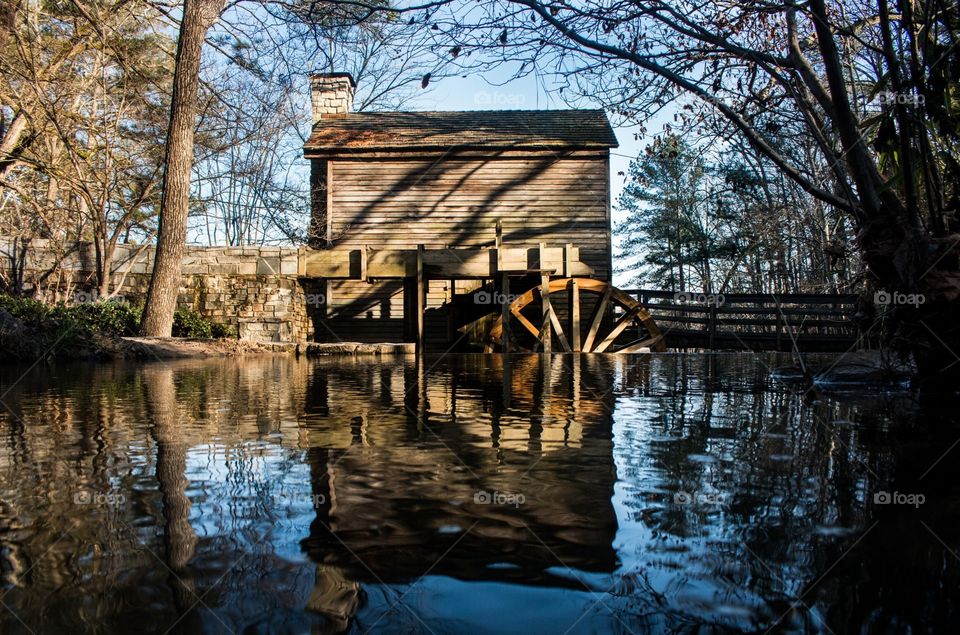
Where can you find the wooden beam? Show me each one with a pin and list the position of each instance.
(618, 328)
(505, 311)
(555, 321)
(409, 308)
(504, 290)
(450, 300)
(568, 260)
(499, 245)
(476, 264)
(545, 302)
(328, 230)
(527, 324)
(421, 298)
(598, 314)
(574, 316)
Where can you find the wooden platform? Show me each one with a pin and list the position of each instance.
(461, 264)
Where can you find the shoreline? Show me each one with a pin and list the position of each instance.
(185, 348)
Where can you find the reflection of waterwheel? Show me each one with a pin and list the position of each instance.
(530, 331)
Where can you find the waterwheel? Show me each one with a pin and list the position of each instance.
(535, 326)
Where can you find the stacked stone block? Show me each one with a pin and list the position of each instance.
(253, 289)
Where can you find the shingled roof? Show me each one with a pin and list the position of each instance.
(494, 129)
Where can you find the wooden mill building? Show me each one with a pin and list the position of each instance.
(444, 180)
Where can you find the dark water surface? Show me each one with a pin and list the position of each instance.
(564, 494)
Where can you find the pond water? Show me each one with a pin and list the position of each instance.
(471, 494)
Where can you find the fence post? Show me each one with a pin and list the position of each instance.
(779, 329)
(712, 326)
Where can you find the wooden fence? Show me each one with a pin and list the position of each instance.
(754, 321)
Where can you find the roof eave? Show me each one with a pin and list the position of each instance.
(310, 151)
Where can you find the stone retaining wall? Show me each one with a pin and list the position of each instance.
(254, 289)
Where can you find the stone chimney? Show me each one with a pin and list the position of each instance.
(331, 94)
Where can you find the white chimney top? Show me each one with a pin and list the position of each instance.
(331, 94)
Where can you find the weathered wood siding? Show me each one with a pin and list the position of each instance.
(440, 201)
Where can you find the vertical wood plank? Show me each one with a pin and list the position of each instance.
(545, 302)
(504, 290)
(451, 297)
(499, 244)
(421, 298)
(713, 325)
(547, 337)
(505, 311)
(328, 237)
(327, 298)
(608, 222)
(409, 308)
(574, 316)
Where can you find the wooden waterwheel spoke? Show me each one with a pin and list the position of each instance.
(527, 324)
(542, 328)
(599, 312)
(618, 328)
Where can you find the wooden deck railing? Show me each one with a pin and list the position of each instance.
(754, 321)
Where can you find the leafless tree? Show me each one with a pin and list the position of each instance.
(781, 77)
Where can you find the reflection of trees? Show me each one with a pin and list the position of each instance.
(397, 452)
(798, 472)
(179, 537)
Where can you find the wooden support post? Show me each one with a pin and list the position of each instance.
(779, 328)
(568, 260)
(712, 325)
(328, 229)
(547, 332)
(409, 308)
(505, 311)
(451, 302)
(499, 245)
(504, 290)
(421, 298)
(547, 337)
(574, 309)
(363, 263)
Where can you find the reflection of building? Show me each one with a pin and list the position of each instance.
(405, 499)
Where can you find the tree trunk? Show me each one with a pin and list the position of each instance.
(9, 143)
(899, 252)
(198, 17)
